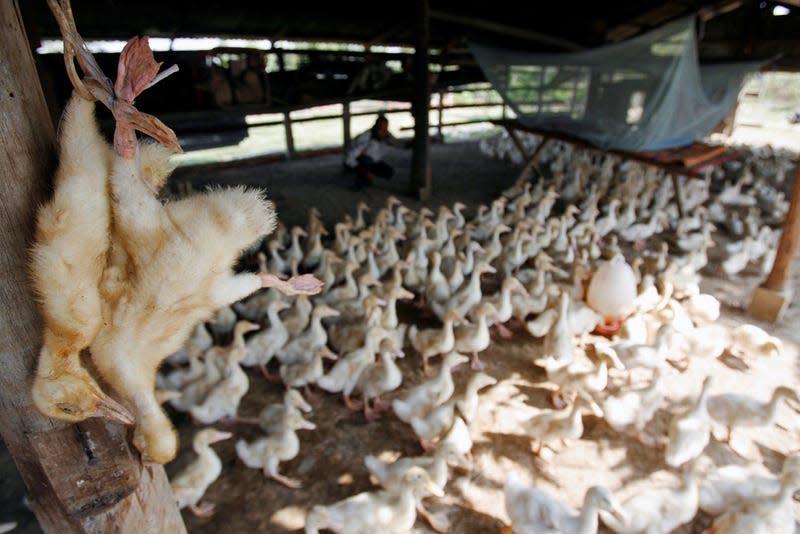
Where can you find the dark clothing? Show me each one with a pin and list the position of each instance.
(367, 168)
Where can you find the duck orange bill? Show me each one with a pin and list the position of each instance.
(108, 408)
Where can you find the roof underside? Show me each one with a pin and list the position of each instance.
(737, 29)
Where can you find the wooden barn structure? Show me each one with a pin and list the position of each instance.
(86, 477)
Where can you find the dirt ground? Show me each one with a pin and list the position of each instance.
(330, 462)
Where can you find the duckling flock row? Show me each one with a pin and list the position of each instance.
(517, 267)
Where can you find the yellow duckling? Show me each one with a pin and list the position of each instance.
(190, 484)
(376, 511)
(690, 431)
(532, 509)
(266, 453)
(303, 373)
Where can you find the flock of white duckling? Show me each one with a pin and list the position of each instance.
(538, 247)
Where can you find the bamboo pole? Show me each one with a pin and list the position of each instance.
(80, 478)
(773, 296)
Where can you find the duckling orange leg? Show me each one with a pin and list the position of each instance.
(503, 331)
(476, 364)
(286, 481)
(351, 404)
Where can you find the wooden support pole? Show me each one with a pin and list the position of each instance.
(420, 105)
(771, 299)
(291, 153)
(80, 478)
(440, 117)
(346, 124)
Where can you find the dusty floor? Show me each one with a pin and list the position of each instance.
(330, 463)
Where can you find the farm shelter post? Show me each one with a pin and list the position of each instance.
(80, 478)
(771, 299)
(420, 106)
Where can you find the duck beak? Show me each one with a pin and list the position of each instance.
(108, 408)
(433, 489)
(219, 436)
(308, 425)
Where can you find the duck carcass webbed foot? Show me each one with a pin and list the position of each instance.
(205, 509)
(304, 284)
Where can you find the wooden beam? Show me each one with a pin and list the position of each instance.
(80, 478)
(503, 29)
(420, 104)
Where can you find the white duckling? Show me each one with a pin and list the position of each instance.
(377, 379)
(502, 303)
(571, 380)
(437, 288)
(635, 408)
(551, 425)
(734, 410)
(467, 297)
(702, 307)
(432, 425)
(377, 511)
(262, 346)
(433, 341)
(475, 338)
(190, 484)
(458, 437)
(690, 431)
(533, 510)
(199, 342)
(725, 488)
(302, 373)
(390, 474)
(657, 510)
(345, 373)
(314, 336)
(296, 320)
(771, 514)
(296, 249)
(431, 393)
(467, 401)
(271, 417)
(223, 398)
(348, 333)
(559, 343)
(277, 263)
(266, 453)
(750, 342)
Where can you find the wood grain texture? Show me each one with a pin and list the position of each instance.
(789, 243)
(41, 447)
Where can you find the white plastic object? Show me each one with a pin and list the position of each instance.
(612, 290)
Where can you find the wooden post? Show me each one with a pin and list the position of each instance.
(771, 299)
(346, 123)
(440, 118)
(287, 126)
(80, 478)
(420, 105)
